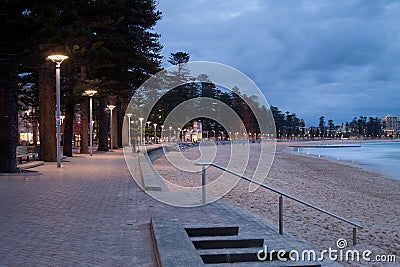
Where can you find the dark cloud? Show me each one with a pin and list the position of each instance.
(334, 58)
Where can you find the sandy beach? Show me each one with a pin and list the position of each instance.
(347, 190)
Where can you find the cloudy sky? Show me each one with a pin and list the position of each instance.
(338, 59)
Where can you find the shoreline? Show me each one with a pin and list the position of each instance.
(375, 168)
(346, 189)
(349, 191)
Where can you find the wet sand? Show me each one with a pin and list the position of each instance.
(345, 189)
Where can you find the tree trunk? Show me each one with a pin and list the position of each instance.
(102, 125)
(47, 110)
(69, 112)
(84, 127)
(35, 127)
(84, 119)
(8, 118)
(68, 128)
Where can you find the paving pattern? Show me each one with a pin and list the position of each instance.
(91, 212)
(88, 213)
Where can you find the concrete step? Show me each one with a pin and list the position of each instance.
(216, 238)
(177, 245)
(172, 245)
(266, 264)
(30, 164)
(229, 255)
(228, 243)
(212, 231)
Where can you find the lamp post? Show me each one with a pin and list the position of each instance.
(161, 134)
(155, 133)
(27, 125)
(141, 130)
(58, 59)
(170, 129)
(148, 125)
(111, 107)
(129, 128)
(91, 93)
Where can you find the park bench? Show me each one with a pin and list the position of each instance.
(23, 153)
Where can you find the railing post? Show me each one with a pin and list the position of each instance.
(280, 204)
(281, 195)
(203, 184)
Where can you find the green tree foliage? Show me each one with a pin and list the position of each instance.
(179, 59)
(185, 90)
(331, 128)
(361, 126)
(321, 125)
(114, 39)
(18, 30)
(287, 124)
(201, 86)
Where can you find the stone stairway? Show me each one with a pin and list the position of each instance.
(223, 245)
(215, 245)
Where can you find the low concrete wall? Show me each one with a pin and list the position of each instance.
(155, 153)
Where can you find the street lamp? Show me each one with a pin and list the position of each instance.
(62, 117)
(148, 125)
(141, 130)
(58, 59)
(129, 128)
(111, 107)
(91, 93)
(155, 133)
(27, 125)
(161, 134)
(169, 139)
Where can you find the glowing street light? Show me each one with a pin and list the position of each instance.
(141, 130)
(129, 128)
(58, 59)
(111, 107)
(91, 93)
(62, 117)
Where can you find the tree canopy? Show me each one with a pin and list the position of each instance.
(113, 40)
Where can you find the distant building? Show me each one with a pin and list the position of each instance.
(196, 133)
(391, 125)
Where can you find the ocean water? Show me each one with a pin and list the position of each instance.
(379, 157)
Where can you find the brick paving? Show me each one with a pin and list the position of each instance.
(91, 212)
(88, 213)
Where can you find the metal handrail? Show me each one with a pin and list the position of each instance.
(203, 164)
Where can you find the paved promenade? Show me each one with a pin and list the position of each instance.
(91, 212)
